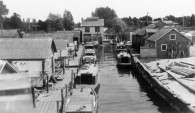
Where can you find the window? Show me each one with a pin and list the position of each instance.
(87, 29)
(163, 47)
(97, 29)
(172, 36)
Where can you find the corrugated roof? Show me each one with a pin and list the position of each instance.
(159, 34)
(60, 44)
(12, 33)
(26, 48)
(93, 22)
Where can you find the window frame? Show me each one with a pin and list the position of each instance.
(97, 29)
(87, 29)
(171, 38)
(162, 46)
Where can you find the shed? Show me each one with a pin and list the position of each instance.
(33, 56)
(169, 43)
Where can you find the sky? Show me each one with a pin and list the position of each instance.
(40, 9)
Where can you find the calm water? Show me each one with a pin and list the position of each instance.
(122, 91)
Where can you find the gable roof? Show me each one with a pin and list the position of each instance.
(26, 48)
(60, 44)
(159, 34)
(93, 21)
(11, 33)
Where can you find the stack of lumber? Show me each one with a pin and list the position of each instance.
(187, 72)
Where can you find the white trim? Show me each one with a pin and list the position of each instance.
(163, 45)
(171, 38)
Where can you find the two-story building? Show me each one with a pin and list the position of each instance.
(92, 29)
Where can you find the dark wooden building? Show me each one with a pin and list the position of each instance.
(169, 43)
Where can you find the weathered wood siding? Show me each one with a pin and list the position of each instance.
(148, 52)
(33, 68)
(165, 40)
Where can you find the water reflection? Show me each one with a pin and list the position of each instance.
(123, 91)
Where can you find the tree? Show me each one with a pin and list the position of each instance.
(128, 21)
(54, 22)
(15, 21)
(119, 27)
(42, 26)
(192, 20)
(157, 19)
(170, 17)
(6, 23)
(68, 20)
(3, 10)
(105, 13)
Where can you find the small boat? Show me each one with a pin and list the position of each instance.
(89, 45)
(87, 75)
(120, 47)
(81, 100)
(123, 59)
(89, 53)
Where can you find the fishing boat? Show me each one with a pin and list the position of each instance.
(123, 59)
(81, 100)
(89, 45)
(89, 53)
(120, 47)
(87, 75)
(15, 94)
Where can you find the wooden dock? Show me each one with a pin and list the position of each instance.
(53, 101)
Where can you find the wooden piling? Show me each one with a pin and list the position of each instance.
(47, 84)
(33, 95)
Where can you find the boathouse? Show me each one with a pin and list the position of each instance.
(169, 43)
(32, 56)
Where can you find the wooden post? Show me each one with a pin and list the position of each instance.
(68, 62)
(62, 96)
(66, 91)
(33, 95)
(57, 106)
(74, 85)
(47, 83)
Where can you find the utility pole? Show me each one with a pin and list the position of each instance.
(147, 18)
(183, 21)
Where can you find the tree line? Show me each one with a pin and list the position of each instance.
(55, 22)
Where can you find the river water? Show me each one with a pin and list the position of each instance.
(123, 91)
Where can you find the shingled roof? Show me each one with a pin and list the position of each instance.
(26, 48)
(159, 34)
(95, 21)
(60, 44)
(10, 33)
(75, 33)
